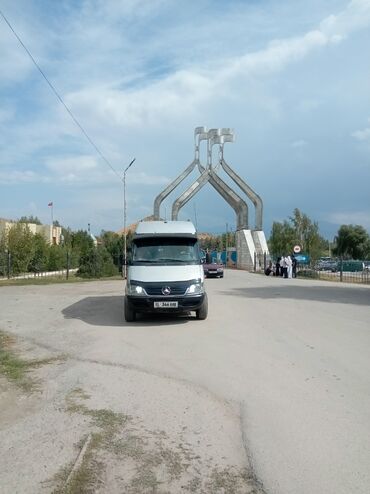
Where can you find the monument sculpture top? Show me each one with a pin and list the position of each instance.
(209, 173)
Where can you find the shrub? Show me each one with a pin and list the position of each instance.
(96, 262)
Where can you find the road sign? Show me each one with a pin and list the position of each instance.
(297, 249)
(302, 259)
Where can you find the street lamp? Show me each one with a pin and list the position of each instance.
(124, 217)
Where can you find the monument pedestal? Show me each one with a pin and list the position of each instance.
(251, 246)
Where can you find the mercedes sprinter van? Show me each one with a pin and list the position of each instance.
(164, 272)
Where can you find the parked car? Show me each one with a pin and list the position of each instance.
(367, 266)
(327, 265)
(213, 269)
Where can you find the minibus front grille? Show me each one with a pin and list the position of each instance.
(161, 289)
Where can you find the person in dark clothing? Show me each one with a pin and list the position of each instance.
(283, 267)
(208, 257)
(268, 269)
(277, 267)
(294, 261)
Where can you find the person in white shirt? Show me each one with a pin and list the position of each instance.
(283, 267)
(289, 265)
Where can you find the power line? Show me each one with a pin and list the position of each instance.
(59, 97)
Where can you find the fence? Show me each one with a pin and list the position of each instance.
(341, 274)
(340, 271)
(8, 269)
(69, 264)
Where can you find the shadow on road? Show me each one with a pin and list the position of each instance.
(108, 311)
(342, 295)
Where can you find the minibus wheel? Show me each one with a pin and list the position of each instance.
(130, 314)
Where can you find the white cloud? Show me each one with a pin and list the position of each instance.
(299, 144)
(143, 178)
(354, 17)
(140, 75)
(16, 64)
(350, 218)
(184, 91)
(6, 114)
(26, 176)
(73, 164)
(87, 170)
(277, 55)
(308, 105)
(362, 135)
(152, 106)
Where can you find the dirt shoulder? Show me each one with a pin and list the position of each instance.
(73, 426)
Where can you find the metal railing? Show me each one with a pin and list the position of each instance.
(339, 274)
(66, 267)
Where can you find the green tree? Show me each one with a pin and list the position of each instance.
(30, 219)
(96, 262)
(282, 238)
(3, 255)
(298, 229)
(307, 234)
(20, 245)
(57, 258)
(352, 242)
(114, 243)
(67, 237)
(217, 242)
(40, 254)
(81, 242)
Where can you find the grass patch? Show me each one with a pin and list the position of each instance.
(15, 368)
(105, 419)
(52, 280)
(87, 476)
(153, 466)
(149, 454)
(231, 480)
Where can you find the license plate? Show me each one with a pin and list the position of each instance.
(162, 305)
(212, 272)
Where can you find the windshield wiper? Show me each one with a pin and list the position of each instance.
(167, 259)
(186, 261)
(144, 260)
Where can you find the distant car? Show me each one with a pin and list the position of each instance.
(213, 269)
(327, 265)
(367, 266)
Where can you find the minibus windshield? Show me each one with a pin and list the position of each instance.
(165, 250)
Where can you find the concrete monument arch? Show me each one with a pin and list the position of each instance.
(249, 243)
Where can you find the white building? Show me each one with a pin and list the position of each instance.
(51, 233)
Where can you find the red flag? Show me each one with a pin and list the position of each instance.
(50, 204)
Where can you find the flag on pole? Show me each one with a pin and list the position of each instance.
(51, 205)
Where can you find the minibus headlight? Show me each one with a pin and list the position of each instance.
(195, 289)
(135, 290)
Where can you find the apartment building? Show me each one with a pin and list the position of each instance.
(51, 233)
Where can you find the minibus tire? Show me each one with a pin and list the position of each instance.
(202, 312)
(130, 314)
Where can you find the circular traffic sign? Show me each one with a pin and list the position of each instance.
(296, 249)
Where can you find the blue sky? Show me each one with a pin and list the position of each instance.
(291, 77)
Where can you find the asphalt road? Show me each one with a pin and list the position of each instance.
(276, 381)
